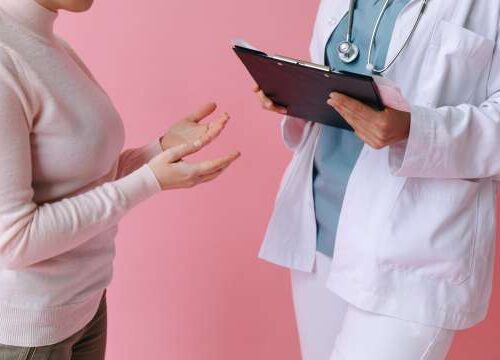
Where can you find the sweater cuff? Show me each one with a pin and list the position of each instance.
(138, 186)
(151, 150)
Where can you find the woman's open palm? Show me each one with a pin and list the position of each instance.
(170, 168)
(191, 128)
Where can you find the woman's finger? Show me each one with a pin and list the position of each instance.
(178, 152)
(211, 166)
(208, 178)
(202, 112)
(220, 122)
(215, 129)
(221, 168)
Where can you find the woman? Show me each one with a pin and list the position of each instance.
(64, 186)
(398, 217)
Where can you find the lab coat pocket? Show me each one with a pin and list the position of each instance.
(431, 230)
(456, 56)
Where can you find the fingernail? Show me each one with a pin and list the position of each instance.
(197, 143)
(335, 97)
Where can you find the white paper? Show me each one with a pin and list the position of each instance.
(242, 43)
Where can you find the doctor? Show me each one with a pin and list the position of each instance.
(398, 218)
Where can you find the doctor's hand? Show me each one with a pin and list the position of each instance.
(267, 103)
(191, 128)
(173, 172)
(378, 129)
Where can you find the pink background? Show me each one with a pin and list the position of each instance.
(187, 282)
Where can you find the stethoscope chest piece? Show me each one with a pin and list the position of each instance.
(348, 52)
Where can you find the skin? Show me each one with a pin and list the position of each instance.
(377, 129)
(68, 5)
(184, 138)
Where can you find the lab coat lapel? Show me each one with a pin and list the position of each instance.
(402, 28)
(335, 19)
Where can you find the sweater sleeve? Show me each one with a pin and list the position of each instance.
(31, 232)
(132, 159)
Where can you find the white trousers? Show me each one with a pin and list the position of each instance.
(331, 329)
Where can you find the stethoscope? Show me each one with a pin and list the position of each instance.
(348, 51)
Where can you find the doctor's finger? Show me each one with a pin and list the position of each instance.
(360, 127)
(351, 117)
(347, 104)
(365, 135)
(370, 138)
(365, 127)
(268, 104)
(202, 112)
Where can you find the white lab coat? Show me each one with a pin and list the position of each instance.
(417, 229)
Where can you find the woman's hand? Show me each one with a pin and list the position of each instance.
(190, 128)
(267, 103)
(173, 172)
(378, 129)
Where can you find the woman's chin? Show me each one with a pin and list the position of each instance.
(78, 5)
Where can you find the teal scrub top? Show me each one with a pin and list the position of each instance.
(338, 150)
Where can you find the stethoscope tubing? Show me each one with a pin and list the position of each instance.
(405, 45)
(352, 4)
(370, 64)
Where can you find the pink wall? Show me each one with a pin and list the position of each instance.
(187, 283)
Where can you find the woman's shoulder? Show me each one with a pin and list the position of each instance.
(9, 59)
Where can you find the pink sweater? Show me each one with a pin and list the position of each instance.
(64, 182)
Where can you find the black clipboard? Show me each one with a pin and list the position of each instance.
(303, 87)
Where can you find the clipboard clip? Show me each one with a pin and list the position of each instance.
(300, 62)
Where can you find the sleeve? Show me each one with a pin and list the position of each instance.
(453, 142)
(132, 159)
(31, 232)
(294, 131)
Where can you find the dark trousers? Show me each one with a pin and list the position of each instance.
(87, 344)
